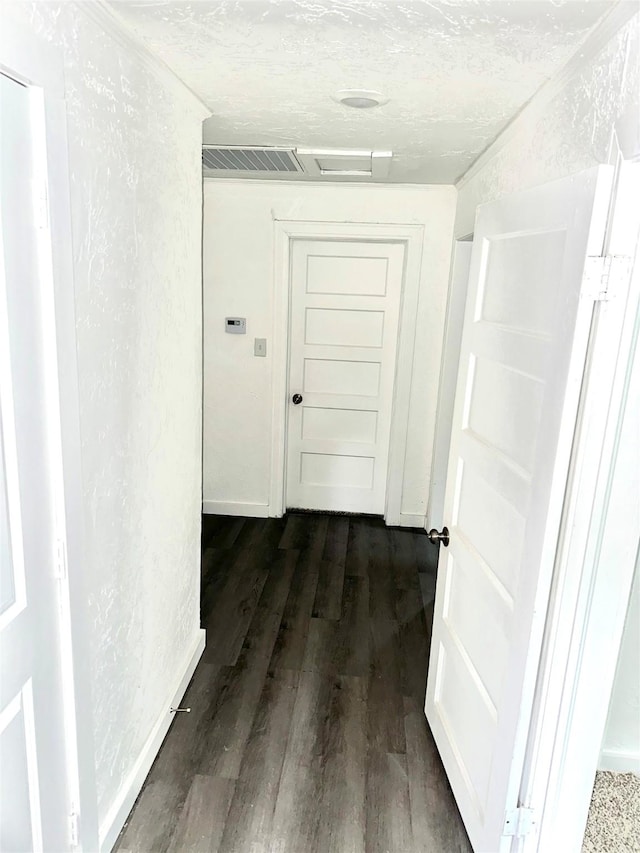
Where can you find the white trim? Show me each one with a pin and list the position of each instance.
(210, 179)
(603, 32)
(413, 237)
(76, 629)
(251, 510)
(50, 127)
(619, 761)
(109, 20)
(123, 803)
(592, 579)
(456, 301)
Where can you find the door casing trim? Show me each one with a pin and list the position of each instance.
(597, 552)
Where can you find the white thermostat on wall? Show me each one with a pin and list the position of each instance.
(235, 325)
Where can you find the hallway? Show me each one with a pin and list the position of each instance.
(306, 731)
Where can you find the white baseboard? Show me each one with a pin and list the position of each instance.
(408, 519)
(235, 508)
(405, 519)
(619, 762)
(116, 816)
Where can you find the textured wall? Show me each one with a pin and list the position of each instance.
(134, 157)
(238, 280)
(574, 131)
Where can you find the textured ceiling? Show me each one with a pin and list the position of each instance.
(455, 71)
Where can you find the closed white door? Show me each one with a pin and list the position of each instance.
(525, 337)
(345, 303)
(34, 812)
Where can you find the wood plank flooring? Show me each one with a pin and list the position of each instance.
(307, 732)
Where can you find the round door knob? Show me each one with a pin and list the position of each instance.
(297, 399)
(435, 536)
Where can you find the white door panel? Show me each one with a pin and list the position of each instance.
(34, 808)
(340, 377)
(522, 359)
(345, 303)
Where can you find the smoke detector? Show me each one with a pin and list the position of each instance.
(360, 99)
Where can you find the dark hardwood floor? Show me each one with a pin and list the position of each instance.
(306, 732)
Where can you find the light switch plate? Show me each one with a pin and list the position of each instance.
(260, 347)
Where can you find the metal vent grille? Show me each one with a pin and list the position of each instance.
(219, 159)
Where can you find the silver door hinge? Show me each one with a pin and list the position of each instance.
(60, 559)
(601, 273)
(519, 822)
(74, 829)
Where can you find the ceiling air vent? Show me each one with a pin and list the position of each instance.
(218, 158)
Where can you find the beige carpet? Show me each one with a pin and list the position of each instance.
(614, 815)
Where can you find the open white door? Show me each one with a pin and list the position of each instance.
(34, 801)
(526, 331)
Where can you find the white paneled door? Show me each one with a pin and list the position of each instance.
(527, 323)
(34, 811)
(345, 304)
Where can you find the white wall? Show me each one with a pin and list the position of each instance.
(134, 161)
(239, 280)
(571, 131)
(621, 744)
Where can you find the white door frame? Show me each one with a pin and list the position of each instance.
(35, 63)
(452, 341)
(596, 554)
(285, 232)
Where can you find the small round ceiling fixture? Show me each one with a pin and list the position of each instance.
(360, 99)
